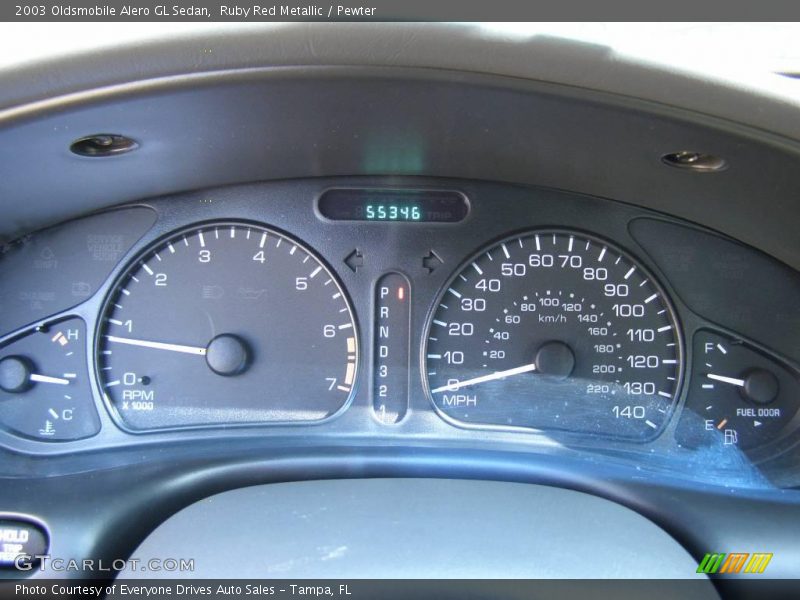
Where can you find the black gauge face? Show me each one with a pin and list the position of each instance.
(45, 392)
(226, 323)
(554, 330)
(739, 398)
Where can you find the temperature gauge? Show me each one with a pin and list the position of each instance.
(390, 380)
(739, 397)
(44, 385)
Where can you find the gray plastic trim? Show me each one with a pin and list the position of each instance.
(137, 51)
(415, 528)
(215, 105)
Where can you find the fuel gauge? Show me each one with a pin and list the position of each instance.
(44, 384)
(738, 397)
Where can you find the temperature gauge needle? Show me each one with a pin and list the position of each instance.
(158, 345)
(47, 379)
(723, 379)
(483, 378)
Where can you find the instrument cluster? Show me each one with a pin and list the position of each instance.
(395, 310)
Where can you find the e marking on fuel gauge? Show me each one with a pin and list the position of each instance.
(739, 396)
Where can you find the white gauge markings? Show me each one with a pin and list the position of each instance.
(143, 330)
(578, 315)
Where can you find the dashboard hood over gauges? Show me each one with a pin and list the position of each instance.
(413, 100)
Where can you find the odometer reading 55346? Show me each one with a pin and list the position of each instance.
(554, 330)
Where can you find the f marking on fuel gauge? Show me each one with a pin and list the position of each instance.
(739, 398)
(391, 348)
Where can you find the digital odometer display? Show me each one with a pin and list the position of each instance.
(409, 206)
(554, 330)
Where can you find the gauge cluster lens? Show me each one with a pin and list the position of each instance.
(45, 392)
(226, 323)
(554, 330)
(739, 398)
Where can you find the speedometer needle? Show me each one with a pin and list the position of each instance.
(158, 345)
(483, 378)
(723, 379)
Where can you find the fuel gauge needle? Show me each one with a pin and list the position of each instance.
(723, 379)
(483, 378)
(158, 345)
(47, 379)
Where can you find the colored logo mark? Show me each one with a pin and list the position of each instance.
(734, 562)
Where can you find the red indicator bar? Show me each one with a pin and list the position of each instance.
(391, 351)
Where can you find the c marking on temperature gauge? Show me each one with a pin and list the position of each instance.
(44, 384)
(392, 350)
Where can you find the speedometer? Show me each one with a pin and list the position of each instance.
(554, 330)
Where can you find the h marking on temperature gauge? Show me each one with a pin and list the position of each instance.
(391, 351)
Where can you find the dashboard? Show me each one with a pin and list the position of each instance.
(407, 287)
(402, 309)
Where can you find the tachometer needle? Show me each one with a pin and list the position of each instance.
(158, 345)
(723, 379)
(47, 379)
(483, 378)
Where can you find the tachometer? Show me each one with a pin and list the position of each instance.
(554, 330)
(226, 323)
